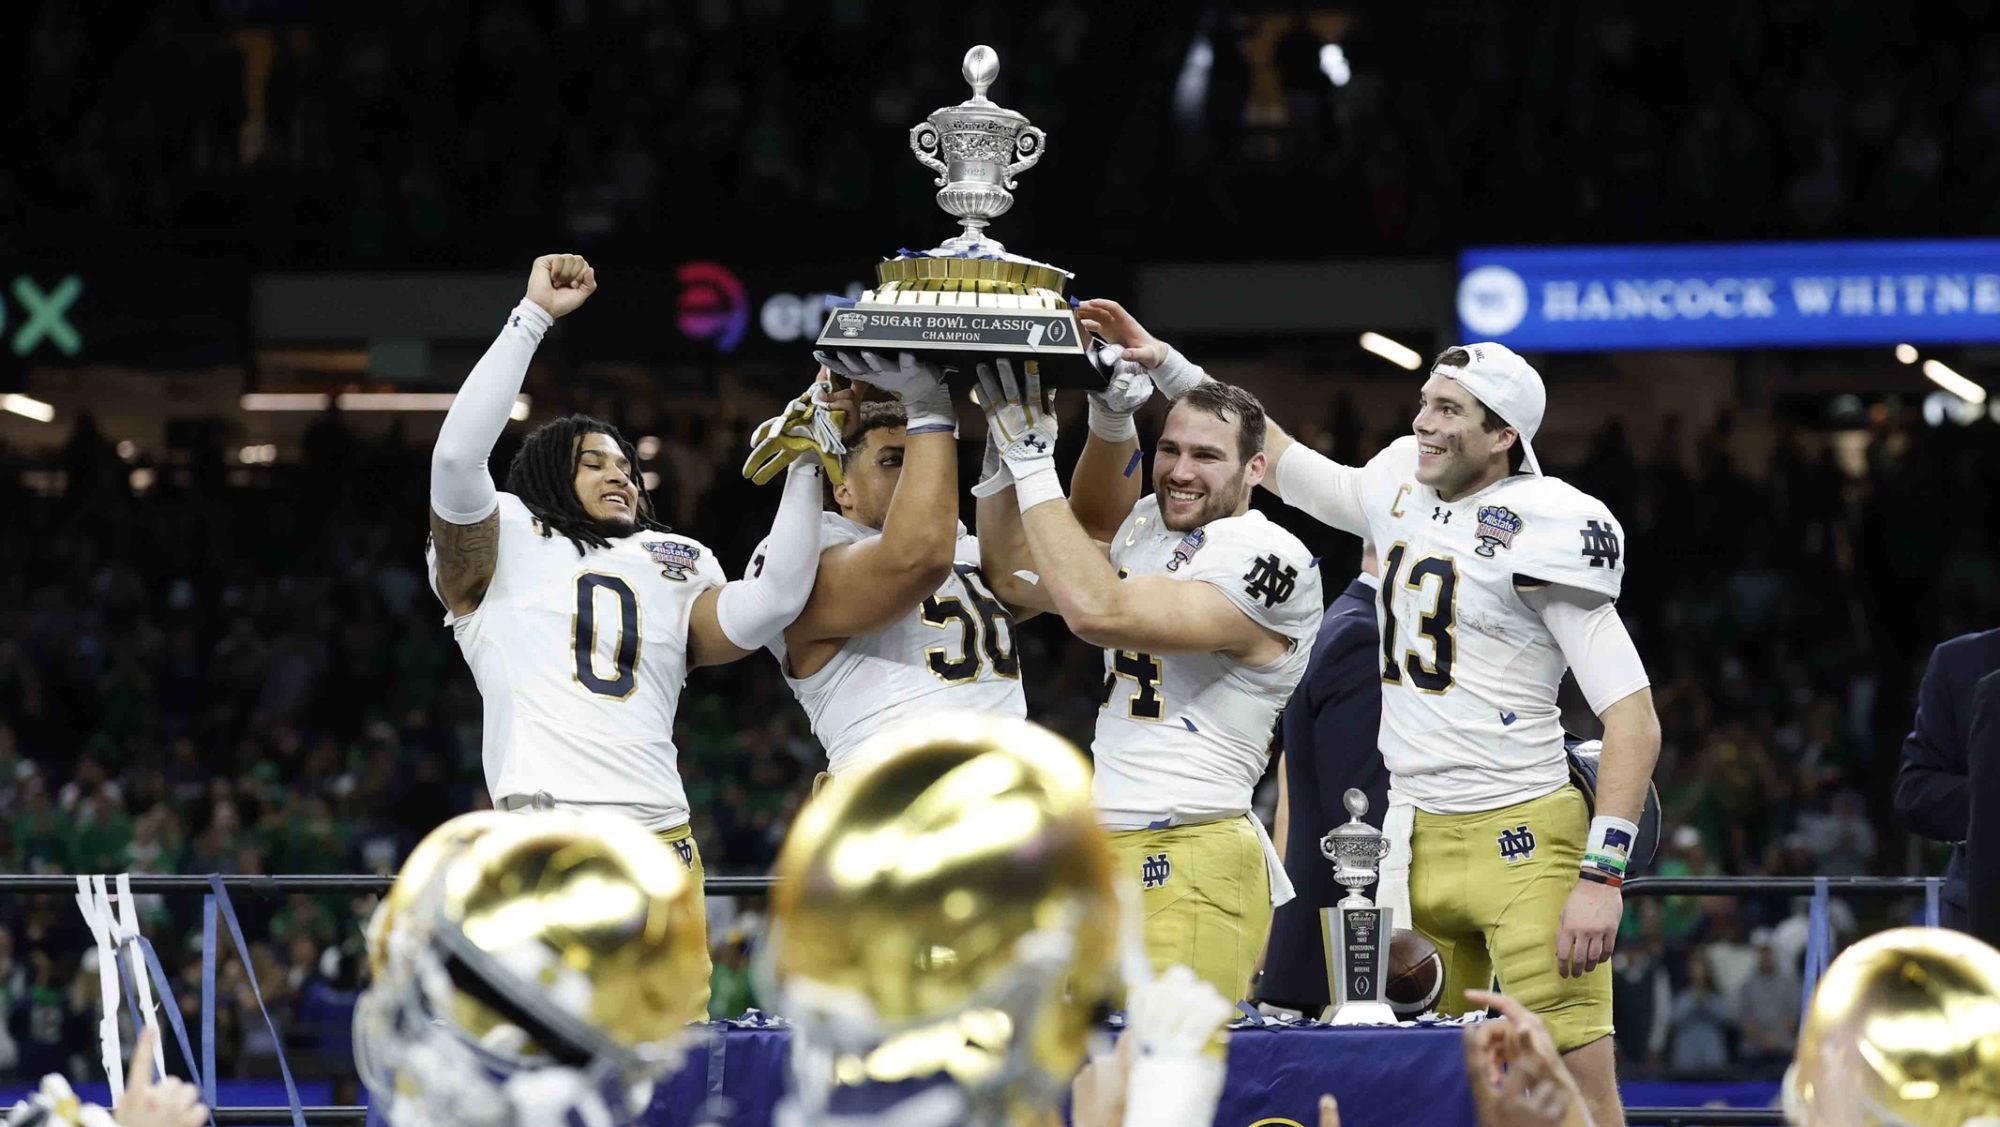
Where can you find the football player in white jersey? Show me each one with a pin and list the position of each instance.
(579, 614)
(1206, 612)
(1495, 579)
(900, 622)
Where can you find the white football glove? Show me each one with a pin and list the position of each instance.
(1023, 425)
(993, 475)
(1174, 1019)
(918, 384)
(1022, 420)
(1127, 389)
(806, 424)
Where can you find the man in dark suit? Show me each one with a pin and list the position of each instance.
(1982, 839)
(1932, 795)
(1328, 732)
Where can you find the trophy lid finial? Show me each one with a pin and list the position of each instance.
(1355, 801)
(982, 66)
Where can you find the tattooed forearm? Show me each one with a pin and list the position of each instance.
(465, 558)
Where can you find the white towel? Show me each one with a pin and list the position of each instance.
(1392, 889)
(1282, 891)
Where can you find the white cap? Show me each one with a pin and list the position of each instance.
(1508, 387)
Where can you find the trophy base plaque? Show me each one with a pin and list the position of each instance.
(1356, 938)
(960, 312)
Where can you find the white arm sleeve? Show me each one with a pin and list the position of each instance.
(461, 489)
(1324, 489)
(1594, 641)
(757, 608)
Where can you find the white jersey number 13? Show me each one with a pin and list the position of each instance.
(1436, 624)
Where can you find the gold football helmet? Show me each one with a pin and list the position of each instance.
(1904, 1031)
(945, 929)
(415, 876)
(534, 967)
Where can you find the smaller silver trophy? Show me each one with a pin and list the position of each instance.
(1356, 933)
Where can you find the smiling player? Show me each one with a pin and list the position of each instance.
(1495, 579)
(578, 612)
(1206, 612)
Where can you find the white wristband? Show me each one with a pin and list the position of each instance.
(1177, 375)
(1609, 847)
(1041, 485)
(1112, 427)
(1172, 1091)
(930, 410)
(531, 317)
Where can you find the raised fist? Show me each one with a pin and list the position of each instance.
(561, 282)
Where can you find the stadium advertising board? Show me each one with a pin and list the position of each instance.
(1751, 295)
(58, 310)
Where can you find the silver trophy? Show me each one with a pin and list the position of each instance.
(1355, 932)
(968, 298)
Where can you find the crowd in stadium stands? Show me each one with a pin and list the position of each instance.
(242, 671)
(319, 134)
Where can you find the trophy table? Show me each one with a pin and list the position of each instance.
(969, 299)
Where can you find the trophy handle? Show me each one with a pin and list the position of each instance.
(1029, 144)
(924, 142)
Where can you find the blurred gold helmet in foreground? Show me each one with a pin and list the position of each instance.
(532, 967)
(415, 875)
(1903, 1031)
(945, 928)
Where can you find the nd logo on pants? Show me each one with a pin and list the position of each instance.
(1489, 890)
(1206, 896)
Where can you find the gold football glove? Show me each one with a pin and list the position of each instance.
(806, 424)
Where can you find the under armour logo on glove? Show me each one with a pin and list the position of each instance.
(1021, 416)
(1271, 580)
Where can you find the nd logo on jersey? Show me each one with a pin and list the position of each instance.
(1517, 844)
(1154, 870)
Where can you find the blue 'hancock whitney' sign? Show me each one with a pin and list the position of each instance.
(1746, 295)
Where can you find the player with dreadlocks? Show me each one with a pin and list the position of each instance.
(579, 613)
(543, 472)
